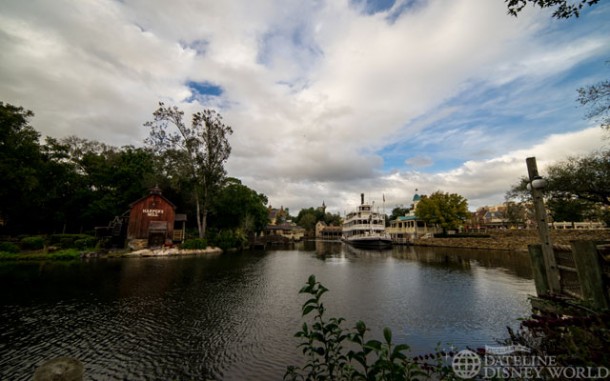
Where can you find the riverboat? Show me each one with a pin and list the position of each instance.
(365, 228)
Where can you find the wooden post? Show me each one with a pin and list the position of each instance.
(539, 269)
(543, 229)
(590, 273)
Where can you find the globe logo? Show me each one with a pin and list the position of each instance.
(466, 364)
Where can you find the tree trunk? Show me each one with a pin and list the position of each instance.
(198, 216)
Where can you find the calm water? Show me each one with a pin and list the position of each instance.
(233, 316)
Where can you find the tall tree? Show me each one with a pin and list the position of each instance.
(197, 153)
(239, 207)
(563, 9)
(21, 160)
(448, 211)
(585, 178)
(576, 188)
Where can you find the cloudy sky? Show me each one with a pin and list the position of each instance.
(327, 99)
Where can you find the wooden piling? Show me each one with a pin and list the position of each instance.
(590, 276)
(543, 229)
(539, 269)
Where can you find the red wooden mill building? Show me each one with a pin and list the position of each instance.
(153, 218)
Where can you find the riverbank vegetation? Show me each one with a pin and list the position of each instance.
(73, 185)
(333, 352)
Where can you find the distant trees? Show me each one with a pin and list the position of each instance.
(71, 185)
(397, 212)
(238, 207)
(193, 156)
(563, 10)
(578, 188)
(308, 218)
(449, 211)
(64, 185)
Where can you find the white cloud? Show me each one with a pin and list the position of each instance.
(315, 91)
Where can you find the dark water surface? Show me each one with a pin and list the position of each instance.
(233, 316)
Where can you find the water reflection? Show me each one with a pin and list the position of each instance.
(233, 317)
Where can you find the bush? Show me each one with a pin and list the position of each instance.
(85, 243)
(32, 243)
(324, 343)
(226, 239)
(66, 239)
(65, 254)
(8, 247)
(194, 244)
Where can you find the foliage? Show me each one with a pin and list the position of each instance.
(8, 247)
(32, 243)
(577, 188)
(238, 206)
(563, 10)
(336, 353)
(516, 213)
(585, 178)
(578, 338)
(195, 244)
(73, 184)
(308, 218)
(85, 243)
(398, 212)
(225, 239)
(68, 254)
(193, 156)
(443, 209)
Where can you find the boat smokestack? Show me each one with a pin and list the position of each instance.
(361, 198)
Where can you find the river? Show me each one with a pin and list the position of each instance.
(233, 316)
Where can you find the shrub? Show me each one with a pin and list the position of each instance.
(66, 242)
(194, 244)
(8, 247)
(65, 254)
(85, 243)
(323, 343)
(225, 239)
(32, 243)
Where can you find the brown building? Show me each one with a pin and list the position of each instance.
(153, 218)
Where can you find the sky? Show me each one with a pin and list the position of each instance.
(327, 99)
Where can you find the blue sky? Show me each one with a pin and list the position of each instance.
(327, 98)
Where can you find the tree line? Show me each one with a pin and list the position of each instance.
(72, 185)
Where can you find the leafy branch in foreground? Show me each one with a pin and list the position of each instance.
(337, 353)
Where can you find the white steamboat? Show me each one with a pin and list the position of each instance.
(365, 228)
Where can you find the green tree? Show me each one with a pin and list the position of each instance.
(194, 156)
(585, 178)
(21, 159)
(516, 213)
(239, 207)
(307, 219)
(563, 9)
(398, 212)
(443, 209)
(577, 188)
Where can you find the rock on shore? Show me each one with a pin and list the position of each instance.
(167, 252)
(516, 240)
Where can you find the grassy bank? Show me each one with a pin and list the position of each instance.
(67, 254)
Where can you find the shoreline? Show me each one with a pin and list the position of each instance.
(169, 252)
(516, 240)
